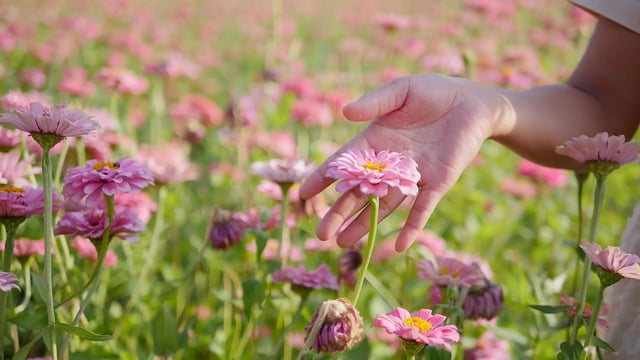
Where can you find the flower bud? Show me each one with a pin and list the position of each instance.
(484, 302)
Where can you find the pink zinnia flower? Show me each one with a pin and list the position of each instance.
(603, 322)
(603, 149)
(105, 177)
(9, 139)
(552, 177)
(87, 250)
(614, 263)
(57, 120)
(26, 248)
(15, 171)
(8, 281)
(422, 327)
(21, 100)
(374, 173)
(299, 276)
(17, 202)
(92, 223)
(168, 163)
(449, 271)
(283, 171)
(488, 347)
(123, 81)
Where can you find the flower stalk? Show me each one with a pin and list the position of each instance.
(47, 177)
(10, 229)
(374, 202)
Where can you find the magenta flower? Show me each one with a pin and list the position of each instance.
(8, 281)
(227, 229)
(613, 263)
(17, 202)
(483, 302)
(374, 173)
(340, 328)
(56, 120)
(449, 271)
(92, 223)
(15, 171)
(422, 327)
(283, 171)
(301, 277)
(105, 177)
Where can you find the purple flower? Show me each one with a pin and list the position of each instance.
(227, 229)
(299, 276)
(17, 202)
(92, 222)
(423, 327)
(374, 173)
(105, 177)
(15, 171)
(483, 302)
(340, 328)
(57, 120)
(8, 281)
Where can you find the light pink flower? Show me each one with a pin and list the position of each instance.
(9, 139)
(603, 322)
(57, 120)
(88, 250)
(613, 259)
(554, 178)
(283, 171)
(22, 100)
(169, 163)
(123, 81)
(272, 251)
(8, 281)
(374, 173)
(488, 347)
(105, 177)
(321, 278)
(601, 147)
(449, 271)
(422, 327)
(24, 247)
(312, 112)
(15, 171)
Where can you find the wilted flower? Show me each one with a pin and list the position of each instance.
(449, 271)
(48, 126)
(105, 177)
(374, 173)
(301, 277)
(602, 153)
(8, 281)
(422, 327)
(483, 302)
(613, 263)
(588, 310)
(227, 229)
(283, 171)
(92, 223)
(338, 327)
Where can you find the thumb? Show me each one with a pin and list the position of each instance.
(379, 102)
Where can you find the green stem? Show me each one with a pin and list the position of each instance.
(47, 177)
(285, 238)
(10, 228)
(373, 227)
(581, 179)
(27, 289)
(95, 279)
(597, 207)
(593, 321)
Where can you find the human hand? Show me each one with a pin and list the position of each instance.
(439, 121)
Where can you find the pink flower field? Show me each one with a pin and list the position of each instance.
(151, 160)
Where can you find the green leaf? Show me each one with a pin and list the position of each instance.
(360, 351)
(435, 353)
(599, 342)
(164, 329)
(25, 349)
(570, 352)
(39, 288)
(81, 332)
(253, 292)
(551, 309)
(31, 320)
(261, 238)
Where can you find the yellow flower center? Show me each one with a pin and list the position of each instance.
(11, 189)
(110, 164)
(422, 324)
(445, 271)
(374, 166)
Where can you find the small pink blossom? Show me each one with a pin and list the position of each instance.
(422, 327)
(603, 322)
(123, 81)
(600, 148)
(57, 120)
(24, 247)
(488, 347)
(15, 171)
(168, 163)
(374, 173)
(21, 100)
(88, 250)
(449, 271)
(316, 279)
(613, 260)
(283, 171)
(105, 177)
(552, 177)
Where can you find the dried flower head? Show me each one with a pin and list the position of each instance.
(336, 326)
(374, 173)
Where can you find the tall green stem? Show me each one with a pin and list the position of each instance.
(374, 201)
(47, 178)
(593, 321)
(597, 206)
(285, 238)
(10, 227)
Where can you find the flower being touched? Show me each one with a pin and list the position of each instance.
(603, 153)
(301, 277)
(335, 327)
(283, 171)
(422, 327)
(105, 177)
(612, 263)
(374, 173)
(8, 281)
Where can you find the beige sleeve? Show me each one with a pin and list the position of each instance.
(623, 12)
